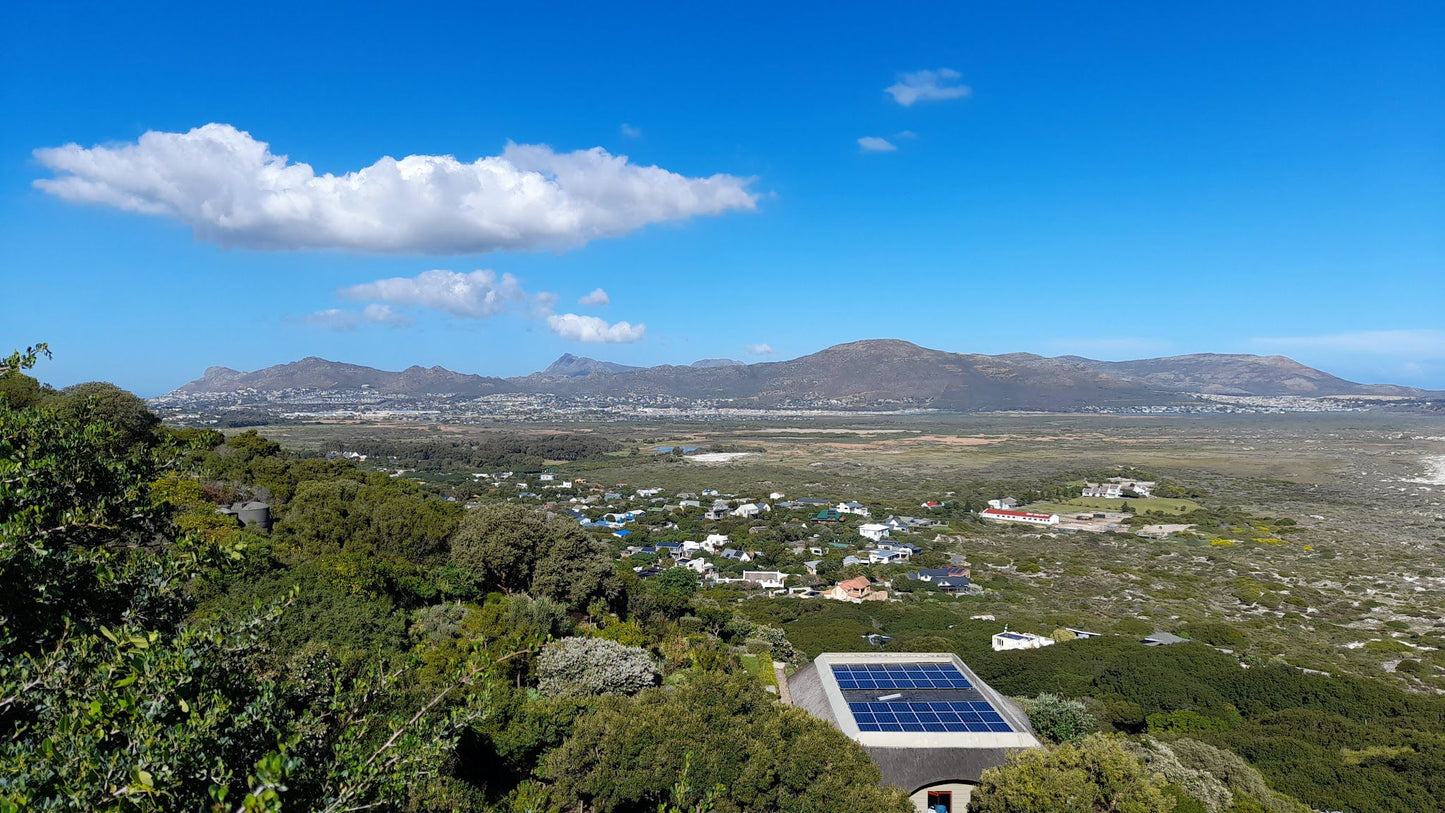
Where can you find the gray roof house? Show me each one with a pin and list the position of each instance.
(929, 722)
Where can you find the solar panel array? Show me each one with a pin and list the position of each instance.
(854, 677)
(948, 716)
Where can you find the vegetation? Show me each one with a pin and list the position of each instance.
(1097, 774)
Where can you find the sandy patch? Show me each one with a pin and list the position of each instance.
(1434, 472)
(718, 457)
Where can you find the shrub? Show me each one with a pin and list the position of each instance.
(1057, 719)
(592, 666)
(1097, 774)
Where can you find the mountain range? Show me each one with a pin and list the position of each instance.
(880, 373)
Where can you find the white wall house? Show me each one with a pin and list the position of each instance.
(1019, 640)
(875, 531)
(1030, 517)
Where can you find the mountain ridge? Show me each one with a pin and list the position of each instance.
(889, 373)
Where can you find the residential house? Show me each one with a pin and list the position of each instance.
(855, 590)
(828, 515)
(947, 579)
(1004, 504)
(851, 507)
(736, 555)
(1019, 640)
(876, 531)
(887, 557)
(812, 566)
(766, 579)
(1162, 639)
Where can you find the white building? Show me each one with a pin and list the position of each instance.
(1019, 640)
(875, 531)
(852, 507)
(1030, 517)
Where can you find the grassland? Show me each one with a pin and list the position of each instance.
(1351, 579)
(1153, 505)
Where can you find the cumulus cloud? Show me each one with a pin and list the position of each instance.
(1425, 343)
(631, 131)
(338, 319)
(592, 329)
(875, 144)
(925, 86)
(596, 299)
(473, 295)
(759, 349)
(232, 190)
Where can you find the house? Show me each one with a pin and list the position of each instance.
(1019, 640)
(811, 502)
(736, 555)
(854, 560)
(875, 531)
(648, 492)
(611, 496)
(1030, 517)
(1083, 635)
(715, 541)
(766, 579)
(700, 566)
(936, 759)
(828, 515)
(622, 534)
(1162, 639)
(776, 495)
(1004, 504)
(673, 549)
(851, 507)
(717, 513)
(855, 590)
(689, 504)
(812, 566)
(947, 579)
(887, 557)
(747, 510)
(931, 504)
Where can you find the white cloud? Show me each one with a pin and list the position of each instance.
(923, 86)
(232, 190)
(759, 349)
(338, 319)
(1423, 343)
(473, 295)
(631, 131)
(592, 329)
(875, 144)
(596, 299)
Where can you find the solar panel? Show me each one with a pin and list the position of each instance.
(855, 677)
(945, 716)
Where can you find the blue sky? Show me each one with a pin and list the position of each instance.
(1111, 180)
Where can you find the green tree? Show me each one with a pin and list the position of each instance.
(1096, 774)
(516, 549)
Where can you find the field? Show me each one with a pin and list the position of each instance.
(1154, 505)
(1348, 576)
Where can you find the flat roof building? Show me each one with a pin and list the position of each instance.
(929, 722)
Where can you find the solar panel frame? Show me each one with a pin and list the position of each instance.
(925, 675)
(951, 716)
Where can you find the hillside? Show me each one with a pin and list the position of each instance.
(881, 373)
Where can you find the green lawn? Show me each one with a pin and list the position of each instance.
(761, 668)
(1154, 505)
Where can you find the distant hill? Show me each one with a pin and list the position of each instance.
(570, 366)
(877, 374)
(320, 374)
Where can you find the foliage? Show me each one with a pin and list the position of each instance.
(1096, 774)
(1057, 719)
(747, 752)
(593, 666)
(515, 549)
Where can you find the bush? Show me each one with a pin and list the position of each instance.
(1097, 774)
(592, 666)
(1057, 719)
